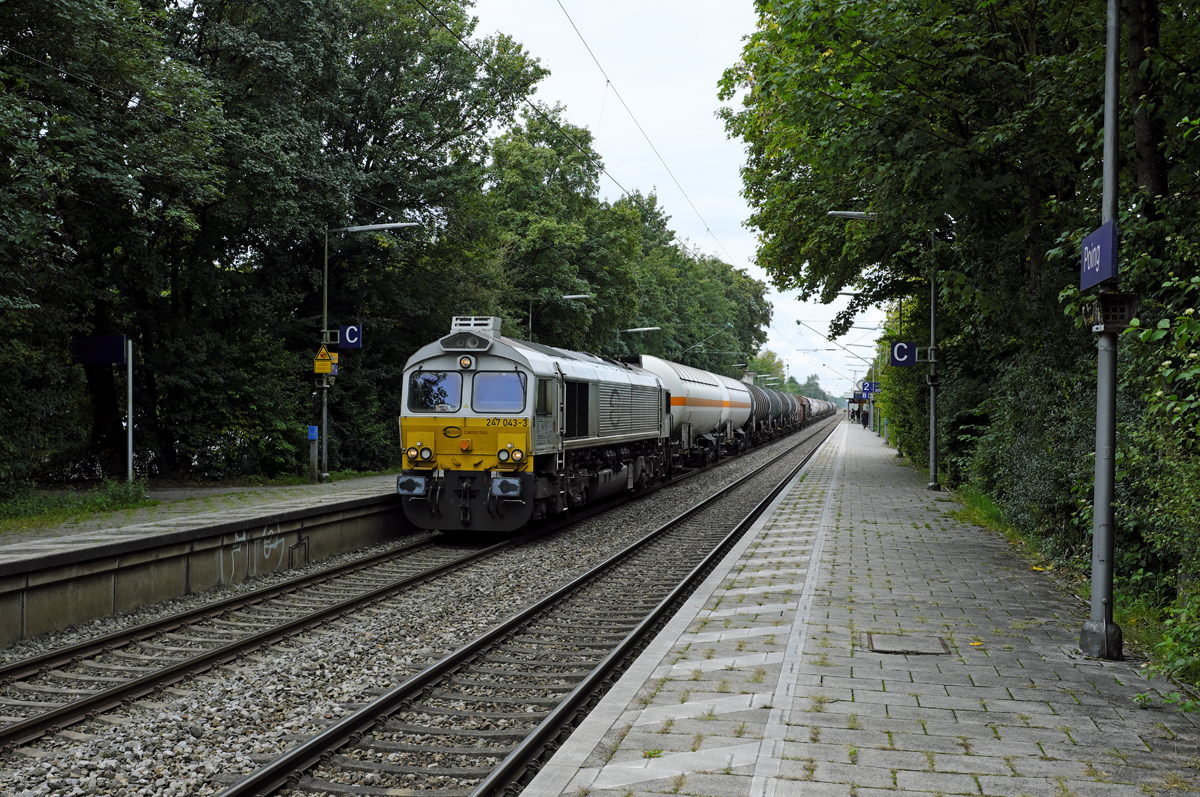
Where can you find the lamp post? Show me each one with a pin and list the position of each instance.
(1101, 637)
(327, 380)
(933, 377)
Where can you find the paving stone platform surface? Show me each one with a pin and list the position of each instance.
(181, 509)
(863, 642)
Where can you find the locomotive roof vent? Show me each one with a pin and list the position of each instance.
(488, 326)
(471, 333)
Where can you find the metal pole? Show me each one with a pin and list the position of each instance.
(933, 478)
(324, 428)
(325, 379)
(129, 404)
(314, 476)
(1108, 206)
(1101, 637)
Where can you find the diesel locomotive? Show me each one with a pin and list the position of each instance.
(498, 432)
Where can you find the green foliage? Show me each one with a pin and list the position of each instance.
(1177, 655)
(812, 388)
(767, 364)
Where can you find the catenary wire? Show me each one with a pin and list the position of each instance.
(642, 131)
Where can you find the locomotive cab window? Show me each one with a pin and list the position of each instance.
(498, 391)
(434, 391)
(544, 404)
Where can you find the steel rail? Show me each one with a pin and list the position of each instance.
(289, 767)
(91, 706)
(36, 665)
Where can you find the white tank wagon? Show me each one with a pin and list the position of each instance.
(706, 409)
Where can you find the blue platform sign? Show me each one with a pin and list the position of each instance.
(312, 433)
(904, 354)
(350, 336)
(99, 350)
(1099, 258)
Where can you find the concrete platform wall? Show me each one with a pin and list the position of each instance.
(91, 583)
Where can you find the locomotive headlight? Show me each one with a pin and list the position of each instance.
(502, 455)
(427, 453)
(412, 452)
(517, 455)
(466, 362)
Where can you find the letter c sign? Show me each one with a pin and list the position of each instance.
(904, 354)
(350, 336)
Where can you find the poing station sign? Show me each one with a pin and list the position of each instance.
(1099, 256)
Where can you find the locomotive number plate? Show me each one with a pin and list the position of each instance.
(518, 422)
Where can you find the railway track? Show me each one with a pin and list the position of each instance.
(480, 721)
(46, 693)
(50, 692)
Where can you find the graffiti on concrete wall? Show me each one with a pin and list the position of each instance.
(261, 555)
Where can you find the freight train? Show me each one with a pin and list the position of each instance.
(498, 432)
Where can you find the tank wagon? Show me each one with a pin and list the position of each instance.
(498, 431)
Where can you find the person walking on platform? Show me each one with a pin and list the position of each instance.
(866, 417)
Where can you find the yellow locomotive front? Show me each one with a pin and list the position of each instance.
(467, 431)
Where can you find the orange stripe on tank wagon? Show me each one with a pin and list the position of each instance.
(683, 401)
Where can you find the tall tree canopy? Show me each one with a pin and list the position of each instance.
(171, 173)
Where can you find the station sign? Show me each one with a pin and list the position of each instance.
(99, 350)
(1099, 256)
(350, 336)
(904, 354)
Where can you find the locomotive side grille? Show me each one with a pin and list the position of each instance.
(577, 400)
(626, 409)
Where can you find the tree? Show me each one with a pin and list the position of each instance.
(173, 171)
(812, 388)
(767, 364)
(100, 170)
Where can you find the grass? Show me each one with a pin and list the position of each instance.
(287, 480)
(32, 508)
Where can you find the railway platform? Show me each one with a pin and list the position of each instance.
(180, 509)
(861, 641)
(53, 577)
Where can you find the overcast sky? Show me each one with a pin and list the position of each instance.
(664, 58)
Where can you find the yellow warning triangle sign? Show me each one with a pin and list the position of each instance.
(323, 354)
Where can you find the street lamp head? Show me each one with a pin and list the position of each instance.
(579, 296)
(369, 227)
(851, 214)
(642, 329)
